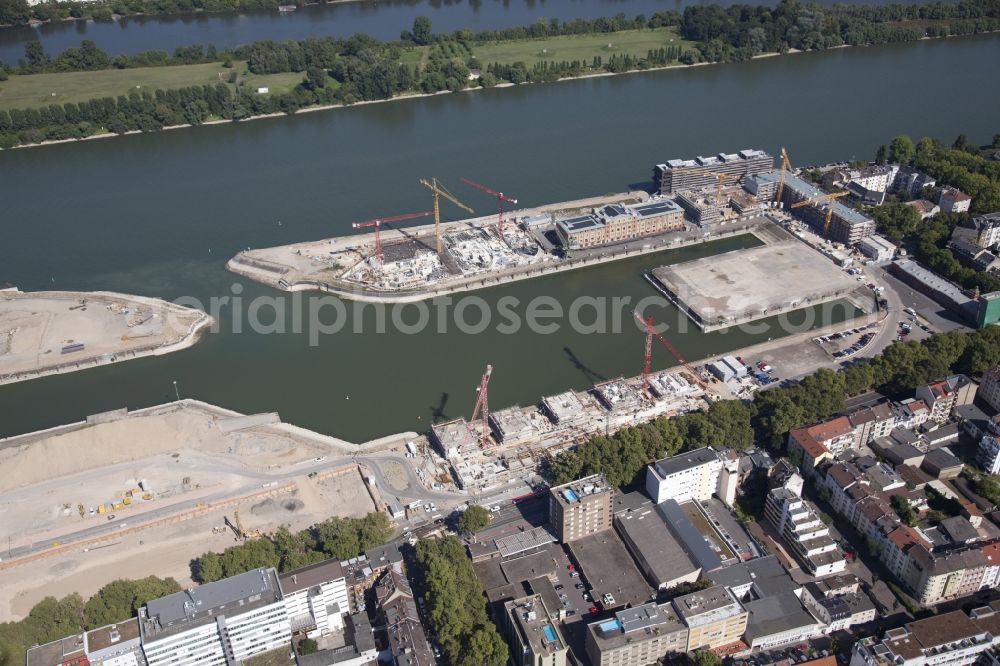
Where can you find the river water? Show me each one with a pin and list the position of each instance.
(159, 214)
(384, 20)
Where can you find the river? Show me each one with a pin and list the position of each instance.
(384, 20)
(159, 214)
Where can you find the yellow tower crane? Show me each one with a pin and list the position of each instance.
(439, 191)
(786, 165)
(718, 188)
(821, 199)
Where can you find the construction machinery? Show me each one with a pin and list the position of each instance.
(786, 166)
(439, 191)
(718, 188)
(828, 199)
(501, 199)
(483, 404)
(378, 222)
(647, 324)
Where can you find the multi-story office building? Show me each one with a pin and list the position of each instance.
(703, 172)
(714, 618)
(581, 508)
(217, 623)
(636, 636)
(693, 475)
(534, 639)
(316, 598)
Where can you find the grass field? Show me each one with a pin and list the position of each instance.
(21, 92)
(579, 47)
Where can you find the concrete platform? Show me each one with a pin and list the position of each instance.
(746, 285)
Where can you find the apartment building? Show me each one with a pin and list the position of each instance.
(870, 423)
(217, 623)
(988, 453)
(838, 612)
(581, 508)
(714, 618)
(702, 172)
(989, 387)
(407, 639)
(693, 475)
(954, 200)
(112, 645)
(534, 639)
(807, 535)
(636, 636)
(847, 225)
(821, 441)
(936, 576)
(954, 638)
(316, 598)
(939, 397)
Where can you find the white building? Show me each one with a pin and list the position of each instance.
(231, 619)
(951, 638)
(316, 598)
(877, 248)
(687, 476)
(802, 529)
(989, 387)
(954, 200)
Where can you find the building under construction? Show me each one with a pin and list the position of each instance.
(619, 223)
(847, 225)
(703, 172)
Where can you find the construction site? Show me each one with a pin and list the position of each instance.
(494, 448)
(107, 498)
(55, 332)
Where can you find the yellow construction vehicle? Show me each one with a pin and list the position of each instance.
(79, 507)
(101, 509)
(147, 496)
(821, 199)
(786, 165)
(439, 191)
(118, 505)
(127, 501)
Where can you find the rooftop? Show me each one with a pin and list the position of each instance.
(694, 542)
(777, 276)
(685, 461)
(238, 594)
(634, 624)
(932, 280)
(707, 606)
(56, 652)
(609, 569)
(531, 620)
(112, 634)
(574, 491)
(310, 576)
(776, 614)
(564, 406)
(651, 540)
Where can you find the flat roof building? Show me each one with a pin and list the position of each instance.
(713, 616)
(581, 508)
(617, 395)
(636, 636)
(534, 639)
(686, 476)
(701, 172)
(779, 620)
(316, 598)
(233, 618)
(660, 557)
(619, 223)
(847, 225)
(565, 408)
(511, 425)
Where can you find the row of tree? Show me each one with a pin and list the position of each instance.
(20, 12)
(51, 619)
(456, 604)
(902, 367)
(338, 538)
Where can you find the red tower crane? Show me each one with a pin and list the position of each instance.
(501, 198)
(379, 221)
(483, 404)
(650, 333)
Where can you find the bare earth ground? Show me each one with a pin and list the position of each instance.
(36, 327)
(190, 458)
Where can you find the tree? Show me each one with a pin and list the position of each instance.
(473, 519)
(121, 599)
(209, 568)
(904, 510)
(34, 53)
(901, 150)
(422, 34)
(485, 648)
(703, 658)
(307, 646)
(315, 78)
(881, 155)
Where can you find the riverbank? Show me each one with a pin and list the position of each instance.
(103, 133)
(48, 333)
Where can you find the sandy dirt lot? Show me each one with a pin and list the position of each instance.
(38, 329)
